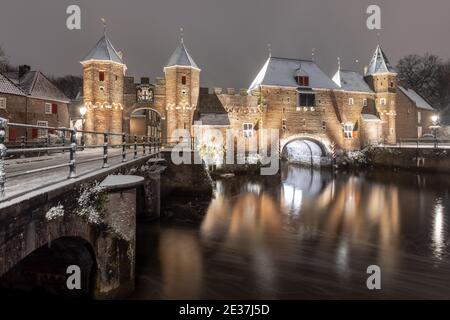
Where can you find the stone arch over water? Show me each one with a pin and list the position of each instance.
(307, 150)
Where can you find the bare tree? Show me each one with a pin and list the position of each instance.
(428, 75)
(69, 84)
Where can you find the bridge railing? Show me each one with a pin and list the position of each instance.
(424, 143)
(138, 146)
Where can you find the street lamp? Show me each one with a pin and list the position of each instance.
(434, 128)
(83, 111)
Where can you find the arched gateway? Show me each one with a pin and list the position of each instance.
(311, 150)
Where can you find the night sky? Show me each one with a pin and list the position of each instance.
(227, 39)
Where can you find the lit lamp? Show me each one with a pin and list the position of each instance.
(83, 111)
(435, 128)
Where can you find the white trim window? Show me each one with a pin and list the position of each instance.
(348, 131)
(48, 108)
(2, 103)
(419, 132)
(383, 101)
(419, 117)
(351, 101)
(365, 102)
(42, 132)
(248, 130)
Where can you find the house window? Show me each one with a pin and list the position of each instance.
(365, 102)
(348, 131)
(101, 76)
(48, 108)
(42, 132)
(383, 101)
(284, 124)
(2, 103)
(303, 81)
(419, 117)
(351, 101)
(307, 99)
(324, 125)
(183, 80)
(248, 130)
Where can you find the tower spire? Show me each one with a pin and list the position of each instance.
(104, 25)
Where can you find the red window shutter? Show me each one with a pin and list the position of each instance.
(101, 76)
(54, 108)
(12, 134)
(306, 80)
(34, 133)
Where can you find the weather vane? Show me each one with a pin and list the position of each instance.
(104, 24)
(339, 63)
(269, 46)
(313, 54)
(182, 34)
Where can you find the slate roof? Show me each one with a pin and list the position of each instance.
(104, 51)
(351, 81)
(36, 85)
(281, 72)
(420, 102)
(369, 117)
(181, 57)
(8, 87)
(379, 63)
(214, 119)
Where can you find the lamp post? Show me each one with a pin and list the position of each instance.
(435, 128)
(83, 111)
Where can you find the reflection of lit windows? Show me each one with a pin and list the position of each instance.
(292, 198)
(348, 131)
(248, 130)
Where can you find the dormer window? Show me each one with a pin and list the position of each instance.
(302, 81)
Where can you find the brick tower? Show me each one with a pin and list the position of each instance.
(382, 78)
(103, 77)
(182, 77)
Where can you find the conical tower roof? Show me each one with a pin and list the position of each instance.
(181, 57)
(379, 63)
(103, 51)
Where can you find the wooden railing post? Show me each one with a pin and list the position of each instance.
(105, 150)
(73, 148)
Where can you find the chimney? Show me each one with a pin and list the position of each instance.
(23, 69)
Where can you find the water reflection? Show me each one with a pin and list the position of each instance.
(309, 235)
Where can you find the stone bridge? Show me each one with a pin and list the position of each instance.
(76, 222)
(309, 149)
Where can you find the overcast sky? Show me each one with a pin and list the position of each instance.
(227, 38)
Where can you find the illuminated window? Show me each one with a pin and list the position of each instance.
(365, 102)
(351, 101)
(419, 117)
(383, 101)
(42, 132)
(2, 103)
(248, 130)
(348, 131)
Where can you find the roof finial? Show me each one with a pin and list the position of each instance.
(313, 54)
(104, 25)
(269, 46)
(339, 63)
(182, 34)
(379, 38)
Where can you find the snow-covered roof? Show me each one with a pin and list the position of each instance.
(36, 85)
(214, 119)
(181, 57)
(103, 51)
(417, 99)
(369, 117)
(379, 63)
(8, 87)
(351, 81)
(281, 72)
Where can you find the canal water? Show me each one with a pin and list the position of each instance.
(305, 234)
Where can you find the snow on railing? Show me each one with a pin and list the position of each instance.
(152, 143)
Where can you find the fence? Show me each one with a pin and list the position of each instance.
(424, 143)
(140, 146)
